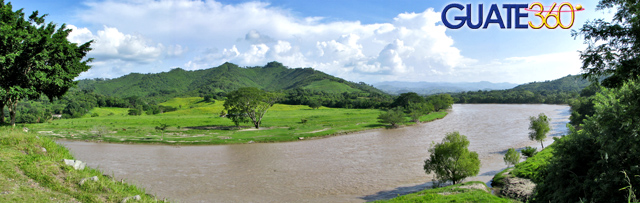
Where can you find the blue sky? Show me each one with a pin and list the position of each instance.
(370, 41)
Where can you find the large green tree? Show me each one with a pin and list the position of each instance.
(392, 116)
(539, 127)
(249, 103)
(590, 164)
(451, 159)
(35, 58)
(613, 47)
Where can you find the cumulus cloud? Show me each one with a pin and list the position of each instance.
(111, 44)
(412, 46)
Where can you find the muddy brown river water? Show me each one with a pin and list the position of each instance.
(364, 166)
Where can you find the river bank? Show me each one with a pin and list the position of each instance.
(197, 123)
(33, 170)
(350, 168)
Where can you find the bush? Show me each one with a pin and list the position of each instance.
(451, 159)
(529, 151)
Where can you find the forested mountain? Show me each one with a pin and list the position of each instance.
(224, 78)
(569, 83)
(427, 88)
(559, 91)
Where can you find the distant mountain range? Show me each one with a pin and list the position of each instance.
(276, 77)
(227, 77)
(426, 88)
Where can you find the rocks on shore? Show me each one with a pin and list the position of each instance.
(137, 197)
(517, 188)
(77, 164)
(84, 180)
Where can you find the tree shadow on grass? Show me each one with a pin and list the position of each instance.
(389, 194)
(215, 127)
(375, 125)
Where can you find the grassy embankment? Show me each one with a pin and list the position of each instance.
(529, 169)
(474, 191)
(32, 170)
(197, 122)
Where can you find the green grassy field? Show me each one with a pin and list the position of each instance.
(474, 191)
(32, 170)
(197, 122)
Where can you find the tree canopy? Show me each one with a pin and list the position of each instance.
(613, 47)
(539, 127)
(35, 58)
(588, 164)
(249, 103)
(451, 159)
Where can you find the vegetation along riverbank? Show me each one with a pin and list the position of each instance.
(198, 122)
(32, 169)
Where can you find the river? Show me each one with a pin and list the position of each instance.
(358, 167)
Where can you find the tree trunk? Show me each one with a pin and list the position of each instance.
(1, 113)
(542, 144)
(12, 113)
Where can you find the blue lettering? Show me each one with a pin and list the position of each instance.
(494, 10)
(520, 15)
(471, 25)
(493, 16)
(460, 18)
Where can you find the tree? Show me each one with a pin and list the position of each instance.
(440, 101)
(35, 58)
(249, 103)
(590, 164)
(406, 98)
(613, 47)
(539, 128)
(451, 159)
(512, 157)
(418, 109)
(314, 104)
(392, 116)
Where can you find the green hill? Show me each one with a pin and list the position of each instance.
(569, 83)
(558, 91)
(227, 77)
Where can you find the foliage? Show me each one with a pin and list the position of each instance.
(249, 103)
(583, 105)
(534, 167)
(539, 127)
(512, 157)
(315, 104)
(35, 58)
(529, 151)
(416, 110)
(392, 116)
(440, 101)
(28, 173)
(464, 192)
(588, 164)
(451, 159)
(613, 47)
(407, 98)
(559, 91)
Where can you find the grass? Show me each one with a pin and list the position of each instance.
(533, 167)
(464, 192)
(197, 122)
(30, 174)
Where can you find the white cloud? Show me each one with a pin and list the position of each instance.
(412, 47)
